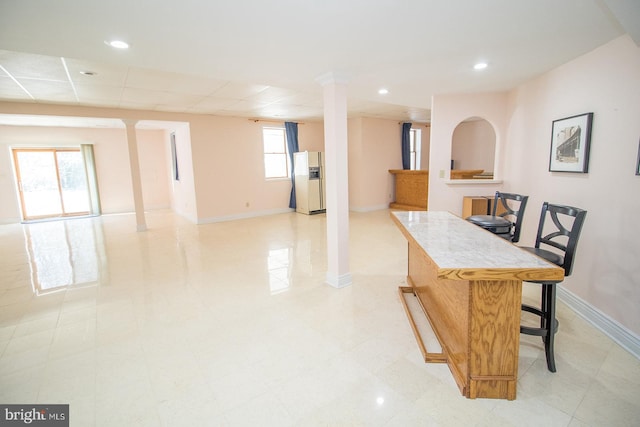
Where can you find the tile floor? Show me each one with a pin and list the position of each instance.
(231, 324)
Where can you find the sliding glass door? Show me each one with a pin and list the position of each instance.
(51, 182)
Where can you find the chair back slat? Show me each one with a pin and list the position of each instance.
(518, 214)
(571, 234)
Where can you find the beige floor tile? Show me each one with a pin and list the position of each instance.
(232, 324)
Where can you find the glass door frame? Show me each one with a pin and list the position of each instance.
(18, 177)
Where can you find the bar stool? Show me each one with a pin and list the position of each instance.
(499, 224)
(564, 240)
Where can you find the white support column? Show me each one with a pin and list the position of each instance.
(336, 179)
(136, 182)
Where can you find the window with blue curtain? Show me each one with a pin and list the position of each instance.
(291, 129)
(406, 146)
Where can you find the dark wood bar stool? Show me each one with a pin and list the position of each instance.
(562, 236)
(508, 222)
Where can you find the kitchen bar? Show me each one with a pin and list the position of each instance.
(469, 284)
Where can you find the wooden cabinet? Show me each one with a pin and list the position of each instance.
(412, 189)
(478, 205)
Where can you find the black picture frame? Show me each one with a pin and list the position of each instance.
(570, 144)
(638, 161)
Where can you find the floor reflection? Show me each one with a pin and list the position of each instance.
(64, 253)
(278, 263)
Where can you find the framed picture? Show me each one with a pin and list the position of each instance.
(570, 140)
(638, 162)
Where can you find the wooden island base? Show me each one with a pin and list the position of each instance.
(469, 285)
(477, 324)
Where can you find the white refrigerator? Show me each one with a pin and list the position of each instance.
(308, 169)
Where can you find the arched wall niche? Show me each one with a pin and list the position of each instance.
(473, 149)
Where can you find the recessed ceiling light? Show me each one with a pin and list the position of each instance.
(383, 91)
(118, 44)
(480, 66)
(88, 73)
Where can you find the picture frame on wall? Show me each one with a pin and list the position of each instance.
(638, 161)
(570, 143)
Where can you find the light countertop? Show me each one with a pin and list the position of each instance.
(454, 244)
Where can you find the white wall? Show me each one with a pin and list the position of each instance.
(183, 195)
(447, 111)
(112, 164)
(374, 148)
(228, 167)
(221, 163)
(606, 82)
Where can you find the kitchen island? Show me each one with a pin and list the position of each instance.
(469, 284)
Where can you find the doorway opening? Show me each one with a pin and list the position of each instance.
(52, 182)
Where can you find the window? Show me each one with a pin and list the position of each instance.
(414, 148)
(276, 158)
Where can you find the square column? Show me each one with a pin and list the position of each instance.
(136, 181)
(336, 179)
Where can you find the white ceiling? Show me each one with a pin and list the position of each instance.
(262, 59)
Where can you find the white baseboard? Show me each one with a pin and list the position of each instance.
(243, 216)
(339, 281)
(627, 339)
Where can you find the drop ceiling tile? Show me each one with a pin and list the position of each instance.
(143, 96)
(357, 104)
(419, 115)
(48, 90)
(303, 112)
(238, 90)
(136, 98)
(202, 110)
(246, 104)
(147, 79)
(181, 99)
(25, 65)
(272, 94)
(91, 92)
(197, 85)
(306, 99)
(211, 104)
(276, 111)
(108, 75)
(10, 89)
(232, 113)
(172, 82)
